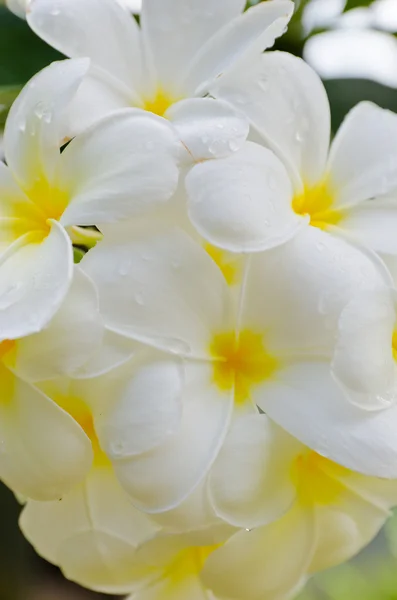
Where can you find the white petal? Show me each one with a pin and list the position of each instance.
(70, 338)
(162, 478)
(363, 359)
(250, 482)
(91, 534)
(242, 203)
(122, 167)
(286, 103)
(36, 122)
(148, 412)
(161, 288)
(68, 26)
(363, 158)
(114, 351)
(193, 514)
(308, 403)
(344, 530)
(296, 293)
(208, 128)
(44, 451)
(238, 42)
(34, 281)
(96, 98)
(175, 30)
(265, 563)
(374, 224)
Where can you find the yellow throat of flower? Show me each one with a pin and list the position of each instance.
(241, 362)
(46, 203)
(189, 562)
(160, 102)
(229, 264)
(82, 414)
(317, 479)
(317, 203)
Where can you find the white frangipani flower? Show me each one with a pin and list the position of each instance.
(123, 167)
(43, 452)
(180, 48)
(91, 532)
(265, 339)
(326, 513)
(94, 533)
(333, 185)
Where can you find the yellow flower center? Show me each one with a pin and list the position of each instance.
(159, 103)
(82, 414)
(189, 562)
(46, 203)
(317, 202)
(241, 362)
(228, 263)
(394, 344)
(317, 479)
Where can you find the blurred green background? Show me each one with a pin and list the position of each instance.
(322, 31)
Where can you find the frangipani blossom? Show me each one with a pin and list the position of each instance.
(326, 513)
(267, 339)
(334, 186)
(94, 533)
(44, 452)
(179, 50)
(122, 167)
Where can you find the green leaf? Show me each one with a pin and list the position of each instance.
(78, 254)
(356, 4)
(7, 97)
(346, 93)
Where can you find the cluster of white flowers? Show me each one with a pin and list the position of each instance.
(205, 407)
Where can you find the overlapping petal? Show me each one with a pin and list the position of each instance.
(92, 534)
(237, 43)
(274, 559)
(287, 105)
(161, 288)
(250, 482)
(208, 128)
(68, 26)
(363, 158)
(36, 125)
(70, 339)
(119, 169)
(34, 280)
(161, 478)
(360, 440)
(44, 451)
(363, 358)
(175, 31)
(242, 203)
